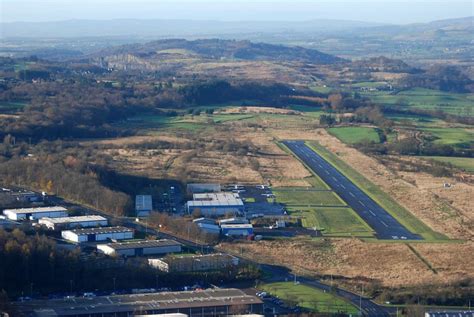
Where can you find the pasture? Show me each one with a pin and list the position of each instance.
(354, 135)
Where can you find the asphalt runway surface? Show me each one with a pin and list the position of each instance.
(385, 226)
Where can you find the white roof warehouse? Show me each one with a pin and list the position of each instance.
(215, 204)
(72, 222)
(35, 213)
(98, 234)
(140, 248)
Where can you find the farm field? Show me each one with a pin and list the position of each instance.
(309, 298)
(464, 163)
(384, 200)
(333, 221)
(353, 135)
(427, 99)
(451, 136)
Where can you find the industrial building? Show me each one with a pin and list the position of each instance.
(237, 230)
(208, 225)
(233, 221)
(143, 205)
(197, 188)
(216, 204)
(97, 234)
(73, 222)
(140, 248)
(35, 213)
(210, 302)
(207, 262)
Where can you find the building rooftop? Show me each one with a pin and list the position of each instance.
(216, 199)
(135, 302)
(233, 220)
(143, 202)
(237, 226)
(62, 220)
(35, 210)
(177, 257)
(142, 244)
(100, 230)
(203, 220)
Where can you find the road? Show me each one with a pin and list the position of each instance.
(277, 273)
(386, 227)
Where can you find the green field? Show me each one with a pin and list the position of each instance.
(427, 99)
(464, 163)
(353, 135)
(451, 136)
(396, 210)
(333, 221)
(306, 197)
(309, 298)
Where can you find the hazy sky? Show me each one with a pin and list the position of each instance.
(389, 11)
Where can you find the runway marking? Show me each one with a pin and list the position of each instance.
(327, 172)
(362, 203)
(334, 179)
(352, 194)
(343, 186)
(372, 213)
(384, 223)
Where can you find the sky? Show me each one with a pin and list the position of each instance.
(385, 11)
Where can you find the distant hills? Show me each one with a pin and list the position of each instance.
(169, 28)
(419, 44)
(215, 49)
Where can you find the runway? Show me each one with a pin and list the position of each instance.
(385, 226)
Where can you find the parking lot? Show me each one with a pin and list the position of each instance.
(259, 200)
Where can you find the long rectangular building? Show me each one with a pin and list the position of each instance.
(35, 213)
(140, 248)
(237, 230)
(209, 302)
(98, 234)
(73, 222)
(206, 262)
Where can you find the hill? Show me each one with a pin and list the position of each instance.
(215, 49)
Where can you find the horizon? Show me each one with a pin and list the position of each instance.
(398, 12)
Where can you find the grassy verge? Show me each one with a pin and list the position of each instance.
(340, 222)
(309, 197)
(396, 210)
(309, 298)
